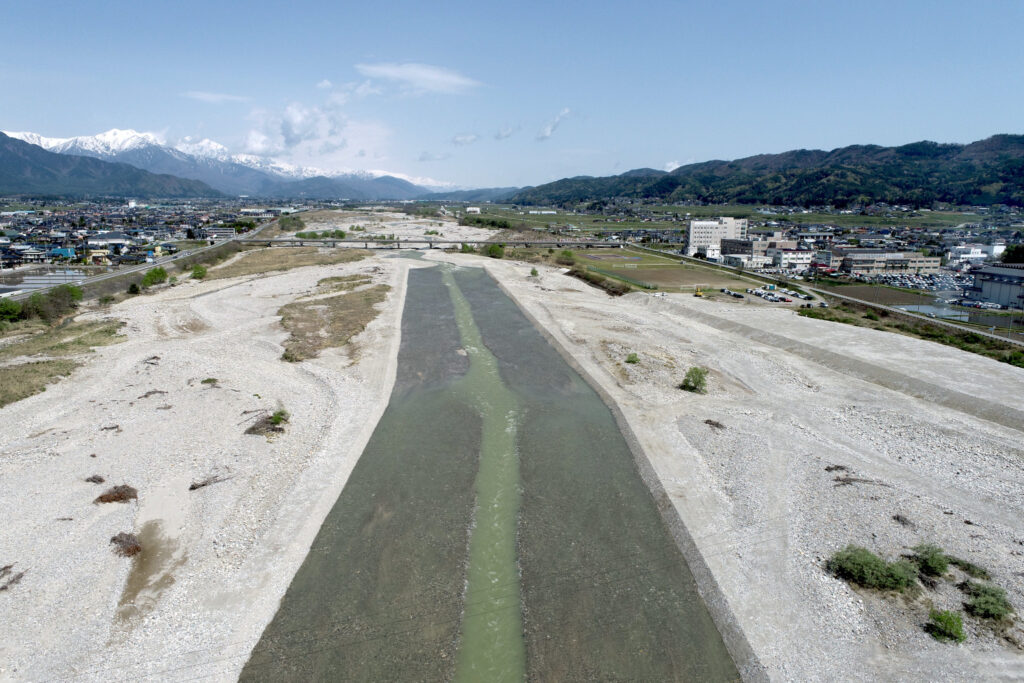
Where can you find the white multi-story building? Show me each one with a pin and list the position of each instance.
(975, 253)
(790, 258)
(710, 233)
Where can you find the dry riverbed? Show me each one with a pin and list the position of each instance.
(223, 518)
(812, 435)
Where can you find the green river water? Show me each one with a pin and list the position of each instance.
(495, 527)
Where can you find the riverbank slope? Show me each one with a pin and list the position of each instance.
(225, 518)
(812, 435)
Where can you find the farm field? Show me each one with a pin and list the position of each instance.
(666, 273)
(888, 296)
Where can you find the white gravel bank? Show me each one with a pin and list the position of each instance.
(756, 495)
(228, 550)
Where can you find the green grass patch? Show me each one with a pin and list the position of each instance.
(625, 278)
(930, 559)
(613, 287)
(969, 568)
(330, 321)
(864, 568)
(985, 601)
(946, 626)
(27, 379)
(65, 340)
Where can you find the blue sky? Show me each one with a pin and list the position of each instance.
(486, 94)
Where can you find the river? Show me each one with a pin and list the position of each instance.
(495, 528)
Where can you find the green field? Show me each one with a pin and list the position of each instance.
(925, 219)
(665, 273)
(587, 223)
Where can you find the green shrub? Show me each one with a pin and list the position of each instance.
(930, 559)
(861, 566)
(946, 625)
(154, 276)
(467, 249)
(209, 380)
(133, 288)
(696, 380)
(986, 602)
(968, 568)
(50, 306)
(565, 258)
(10, 310)
(198, 272)
(632, 358)
(496, 251)
(871, 315)
(533, 272)
(279, 416)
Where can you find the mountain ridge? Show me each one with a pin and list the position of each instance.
(986, 171)
(234, 174)
(27, 169)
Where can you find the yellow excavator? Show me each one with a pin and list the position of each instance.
(697, 291)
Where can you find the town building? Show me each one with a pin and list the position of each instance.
(883, 262)
(1001, 284)
(744, 261)
(710, 233)
(790, 258)
(752, 247)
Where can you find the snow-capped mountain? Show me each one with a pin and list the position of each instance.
(110, 143)
(212, 163)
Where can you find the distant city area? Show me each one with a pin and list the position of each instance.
(967, 257)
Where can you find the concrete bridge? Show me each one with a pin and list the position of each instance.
(425, 243)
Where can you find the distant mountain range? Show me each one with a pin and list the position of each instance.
(29, 169)
(484, 194)
(140, 164)
(242, 174)
(985, 172)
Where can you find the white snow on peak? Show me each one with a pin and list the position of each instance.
(34, 138)
(116, 141)
(205, 148)
(110, 143)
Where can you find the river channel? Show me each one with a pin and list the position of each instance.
(495, 528)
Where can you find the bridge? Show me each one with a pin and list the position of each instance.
(424, 243)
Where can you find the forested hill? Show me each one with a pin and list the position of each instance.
(989, 171)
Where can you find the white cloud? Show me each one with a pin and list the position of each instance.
(671, 165)
(316, 135)
(213, 97)
(506, 132)
(432, 156)
(419, 78)
(552, 125)
(463, 140)
(324, 85)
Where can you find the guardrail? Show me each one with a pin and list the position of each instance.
(825, 292)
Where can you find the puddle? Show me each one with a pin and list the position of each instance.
(151, 574)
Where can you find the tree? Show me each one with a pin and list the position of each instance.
(695, 380)
(154, 276)
(1014, 254)
(10, 310)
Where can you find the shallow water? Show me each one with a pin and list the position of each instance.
(495, 527)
